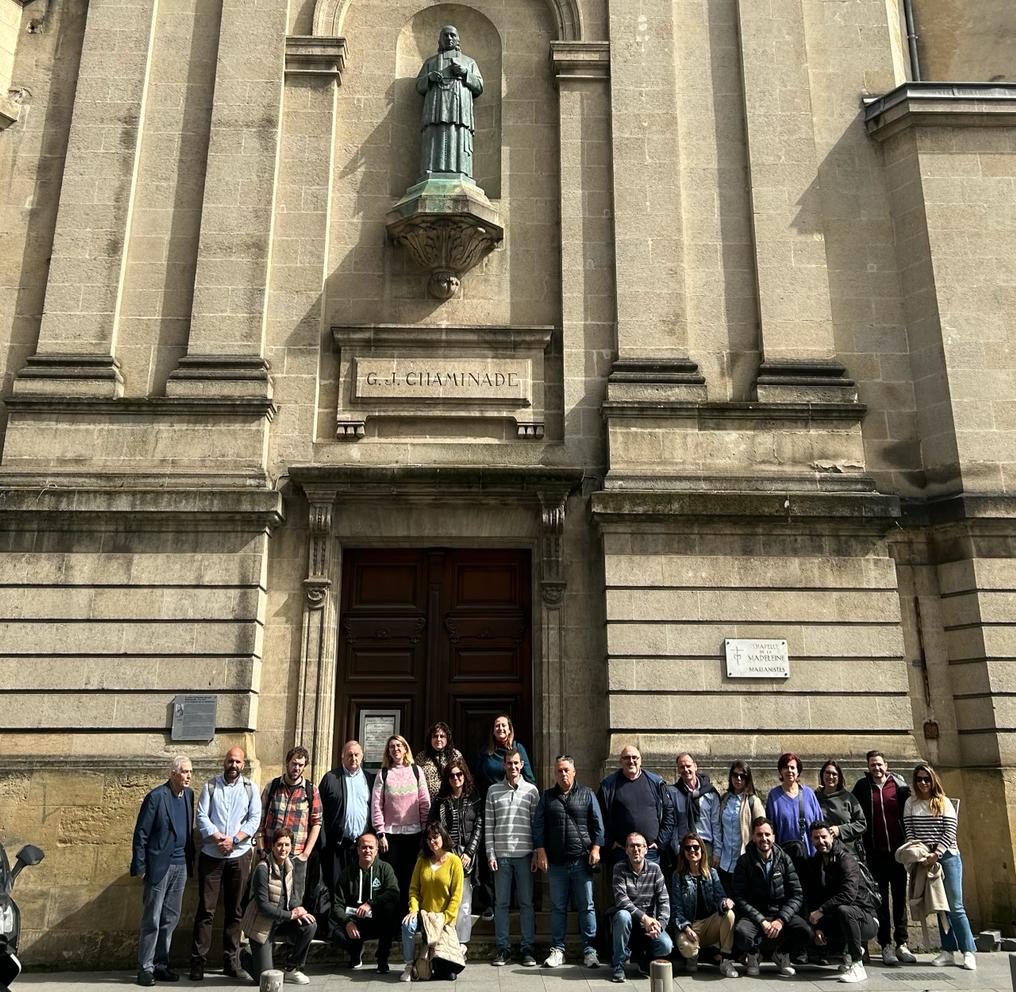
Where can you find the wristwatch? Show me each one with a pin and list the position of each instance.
(236, 841)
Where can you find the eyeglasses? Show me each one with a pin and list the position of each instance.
(691, 847)
(630, 757)
(922, 780)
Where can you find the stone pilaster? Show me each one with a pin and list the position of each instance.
(649, 243)
(795, 311)
(78, 335)
(226, 349)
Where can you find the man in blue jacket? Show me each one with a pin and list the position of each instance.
(567, 837)
(163, 855)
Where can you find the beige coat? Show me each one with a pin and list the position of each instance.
(256, 923)
(439, 941)
(925, 886)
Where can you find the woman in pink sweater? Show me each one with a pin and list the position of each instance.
(399, 804)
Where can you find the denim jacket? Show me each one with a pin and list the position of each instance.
(684, 897)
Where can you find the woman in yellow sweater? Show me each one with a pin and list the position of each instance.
(436, 887)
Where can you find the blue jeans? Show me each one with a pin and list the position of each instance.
(573, 880)
(959, 936)
(160, 912)
(621, 932)
(519, 869)
(408, 933)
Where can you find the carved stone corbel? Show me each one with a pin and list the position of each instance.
(552, 582)
(319, 527)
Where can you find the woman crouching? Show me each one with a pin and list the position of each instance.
(434, 896)
(271, 915)
(701, 913)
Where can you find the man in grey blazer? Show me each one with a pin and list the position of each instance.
(163, 856)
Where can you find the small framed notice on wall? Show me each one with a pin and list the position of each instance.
(376, 726)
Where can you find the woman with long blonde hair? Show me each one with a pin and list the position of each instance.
(930, 817)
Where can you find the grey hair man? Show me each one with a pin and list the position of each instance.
(163, 856)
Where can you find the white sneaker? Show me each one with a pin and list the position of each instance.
(296, 978)
(751, 960)
(969, 961)
(590, 960)
(728, 969)
(855, 973)
(905, 955)
(783, 965)
(941, 959)
(407, 974)
(889, 958)
(555, 958)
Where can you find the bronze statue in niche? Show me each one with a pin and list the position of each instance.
(449, 82)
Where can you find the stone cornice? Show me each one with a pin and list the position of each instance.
(156, 406)
(940, 104)
(580, 60)
(309, 55)
(707, 414)
(785, 505)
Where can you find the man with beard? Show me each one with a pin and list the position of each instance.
(229, 811)
(696, 805)
(842, 909)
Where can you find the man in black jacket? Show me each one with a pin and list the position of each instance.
(567, 837)
(882, 795)
(345, 807)
(633, 800)
(842, 909)
(767, 900)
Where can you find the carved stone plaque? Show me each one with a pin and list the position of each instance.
(407, 377)
(501, 380)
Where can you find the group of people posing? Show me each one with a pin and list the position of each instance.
(412, 852)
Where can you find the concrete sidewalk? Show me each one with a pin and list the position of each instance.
(992, 976)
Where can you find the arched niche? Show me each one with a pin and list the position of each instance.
(417, 40)
(329, 16)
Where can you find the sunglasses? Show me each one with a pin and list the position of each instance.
(456, 775)
(691, 847)
(923, 780)
(740, 775)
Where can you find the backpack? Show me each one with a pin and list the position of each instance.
(248, 788)
(276, 784)
(868, 892)
(384, 775)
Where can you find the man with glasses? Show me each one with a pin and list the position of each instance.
(568, 834)
(882, 795)
(642, 910)
(634, 800)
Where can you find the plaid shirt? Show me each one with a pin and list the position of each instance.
(289, 808)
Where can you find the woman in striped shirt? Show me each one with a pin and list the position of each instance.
(929, 817)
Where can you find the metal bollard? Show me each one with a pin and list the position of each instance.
(661, 976)
(271, 981)
(1012, 970)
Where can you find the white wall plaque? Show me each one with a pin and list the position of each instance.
(756, 659)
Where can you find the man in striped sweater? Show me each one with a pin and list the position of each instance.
(508, 835)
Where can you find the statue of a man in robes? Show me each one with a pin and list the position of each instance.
(448, 81)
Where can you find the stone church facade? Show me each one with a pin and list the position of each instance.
(723, 351)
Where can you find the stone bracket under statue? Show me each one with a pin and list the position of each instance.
(448, 226)
(408, 378)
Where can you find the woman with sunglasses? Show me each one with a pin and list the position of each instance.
(840, 808)
(701, 914)
(739, 807)
(930, 817)
(459, 809)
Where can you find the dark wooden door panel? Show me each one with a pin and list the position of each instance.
(439, 634)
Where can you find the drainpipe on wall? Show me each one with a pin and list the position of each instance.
(915, 62)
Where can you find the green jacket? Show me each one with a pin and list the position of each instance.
(376, 885)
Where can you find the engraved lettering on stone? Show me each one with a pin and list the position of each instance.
(503, 380)
(756, 659)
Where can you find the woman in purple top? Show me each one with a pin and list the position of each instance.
(792, 809)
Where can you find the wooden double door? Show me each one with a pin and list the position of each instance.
(435, 634)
